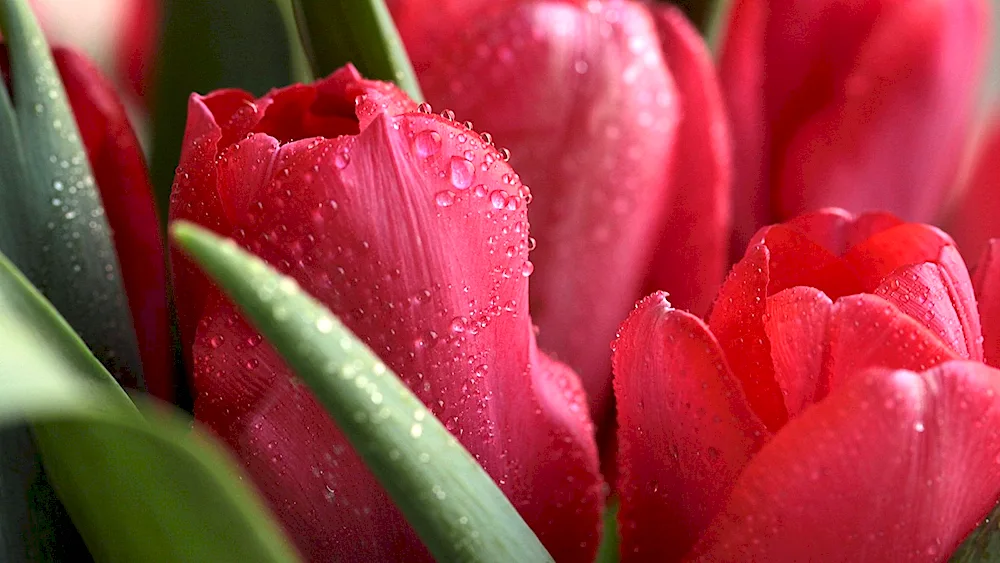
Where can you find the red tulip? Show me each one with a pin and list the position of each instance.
(834, 406)
(862, 104)
(122, 179)
(976, 215)
(987, 283)
(137, 45)
(414, 231)
(615, 120)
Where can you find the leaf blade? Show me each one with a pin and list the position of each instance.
(137, 491)
(337, 32)
(63, 240)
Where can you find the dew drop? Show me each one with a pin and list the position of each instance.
(498, 198)
(448, 114)
(427, 143)
(324, 324)
(444, 198)
(480, 191)
(527, 268)
(424, 108)
(462, 173)
(341, 160)
(216, 341)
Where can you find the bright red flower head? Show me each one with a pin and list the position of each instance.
(834, 405)
(614, 118)
(413, 229)
(861, 104)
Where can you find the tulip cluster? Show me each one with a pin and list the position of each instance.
(833, 399)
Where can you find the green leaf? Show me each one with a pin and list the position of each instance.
(52, 224)
(56, 230)
(709, 16)
(301, 72)
(337, 32)
(608, 552)
(207, 45)
(450, 501)
(983, 544)
(138, 490)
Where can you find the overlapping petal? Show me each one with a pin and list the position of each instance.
(796, 350)
(603, 89)
(974, 220)
(413, 230)
(894, 466)
(685, 430)
(690, 259)
(987, 284)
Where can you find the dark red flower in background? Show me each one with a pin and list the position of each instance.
(614, 118)
(834, 405)
(860, 104)
(412, 228)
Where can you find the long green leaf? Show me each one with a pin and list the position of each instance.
(709, 16)
(452, 504)
(52, 224)
(337, 32)
(207, 45)
(63, 242)
(137, 490)
(983, 544)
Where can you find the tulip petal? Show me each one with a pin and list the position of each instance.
(691, 258)
(737, 320)
(591, 128)
(866, 331)
(796, 326)
(929, 293)
(987, 284)
(827, 227)
(881, 253)
(685, 430)
(895, 466)
(194, 196)
(120, 171)
(892, 137)
(397, 230)
(742, 79)
(796, 259)
(974, 221)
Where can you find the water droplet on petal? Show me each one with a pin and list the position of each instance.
(527, 268)
(445, 198)
(424, 108)
(462, 173)
(427, 143)
(341, 160)
(498, 198)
